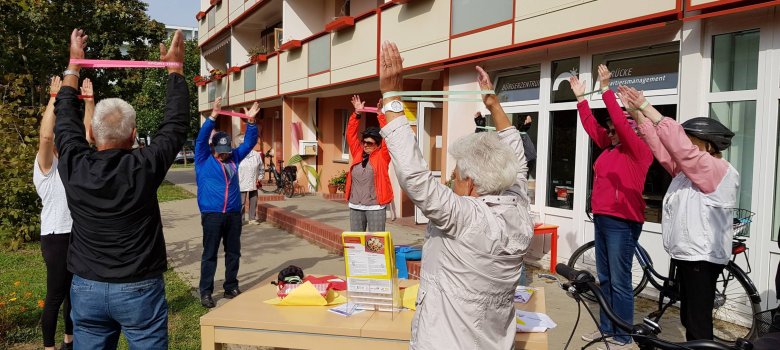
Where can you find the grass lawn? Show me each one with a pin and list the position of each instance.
(23, 288)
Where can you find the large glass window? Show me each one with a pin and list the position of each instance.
(210, 18)
(518, 87)
(212, 91)
(250, 78)
(740, 117)
(646, 69)
(657, 180)
(561, 71)
(342, 117)
(735, 61)
(319, 54)
(563, 151)
(474, 14)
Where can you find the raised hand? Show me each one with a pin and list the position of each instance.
(252, 112)
(633, 96)
(78, 42)
(357, 103)
(174, 54)
(86, 89)
(217, 107)
(54, 86)
(483, 79)
(390, 68)
(604, 75)
(577, 87)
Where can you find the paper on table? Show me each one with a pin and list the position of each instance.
(533, 322)
(307, 295)
(409, 297)
(523, 294)
(346, 309)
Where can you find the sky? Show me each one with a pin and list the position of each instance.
(174, 12)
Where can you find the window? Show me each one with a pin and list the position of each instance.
(250, 78)
(210, 18)
(561, 71)
(212, 91)
(739, 117)
(342, 117)
(342, 8)
(563, 150)
(518, 87)
(650, 69)
(468, 15)
(735, 61)
(319, 54)
(657, 180)
(776, 226)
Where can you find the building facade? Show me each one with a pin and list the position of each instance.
(302, 60)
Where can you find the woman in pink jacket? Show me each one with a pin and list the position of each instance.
(618, 207)
(697, 208)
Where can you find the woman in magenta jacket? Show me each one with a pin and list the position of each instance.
(618, 207)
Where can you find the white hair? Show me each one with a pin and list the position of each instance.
(490, 163)
(113, 121)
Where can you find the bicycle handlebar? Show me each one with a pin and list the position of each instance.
(582, 281)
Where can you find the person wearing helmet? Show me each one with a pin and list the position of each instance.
(219, 200)
(368, 188)
(697, 216)
(618, 207)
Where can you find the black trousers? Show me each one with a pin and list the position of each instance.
(697, 296)
(225, 227)
(55, 254)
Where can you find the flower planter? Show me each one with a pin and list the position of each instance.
(332, 189)
(259, 58)
(234, 69)
(340, 23)
(290, 45)
(201, 15)
(197, 78)
(201, 83)
(219, 76)
(215, 2)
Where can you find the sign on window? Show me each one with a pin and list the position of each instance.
(518, 87)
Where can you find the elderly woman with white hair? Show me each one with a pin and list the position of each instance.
(478, 233)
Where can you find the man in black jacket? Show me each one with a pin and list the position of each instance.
(117, 250)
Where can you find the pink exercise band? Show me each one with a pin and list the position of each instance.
(87, 63)
(368, 110)
(234, 114)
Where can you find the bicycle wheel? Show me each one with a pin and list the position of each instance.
(289, 187)
(732, 313)
(584, 258)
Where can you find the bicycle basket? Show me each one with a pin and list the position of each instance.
(766, 322)
(292, 172)
(742, 220)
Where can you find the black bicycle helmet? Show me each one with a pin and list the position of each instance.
(373, 133)
(709, 130)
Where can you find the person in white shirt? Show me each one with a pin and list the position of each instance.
(56, 222)
(250, 172)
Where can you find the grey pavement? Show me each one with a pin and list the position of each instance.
(267, 249)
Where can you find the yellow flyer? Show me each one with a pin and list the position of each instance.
(370, 265)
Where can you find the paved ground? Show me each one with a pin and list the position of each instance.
(266, 250)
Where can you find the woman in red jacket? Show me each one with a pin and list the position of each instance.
(368, 183)
(618, 206)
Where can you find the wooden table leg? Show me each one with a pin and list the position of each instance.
(207, 339)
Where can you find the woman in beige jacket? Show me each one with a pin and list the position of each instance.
(478, 231)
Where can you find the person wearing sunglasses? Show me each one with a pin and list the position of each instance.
(618, 207)
(368, 189)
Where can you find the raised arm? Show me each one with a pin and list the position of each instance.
(647, 129)
(250, 139)
(202, 149)
(69, 132)
(46, 140)
(353, 141)
(628, 137)
(87, 94)
(589, 122)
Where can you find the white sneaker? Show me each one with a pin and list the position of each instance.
(592, 336)
(616, 345)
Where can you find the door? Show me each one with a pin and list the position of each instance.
(429, 138)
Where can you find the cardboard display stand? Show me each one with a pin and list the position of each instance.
(372, 282)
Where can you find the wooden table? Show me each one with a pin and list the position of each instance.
(551, 230)
(247, 320)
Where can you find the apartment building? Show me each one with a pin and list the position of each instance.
(303, 59)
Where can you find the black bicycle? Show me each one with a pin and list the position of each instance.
(736, 297)
(645, 334)
(284, 180)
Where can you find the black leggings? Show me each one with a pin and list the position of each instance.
(55, 253)
(697, 296)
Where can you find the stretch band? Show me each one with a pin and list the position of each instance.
(487, 127)
(601, 90)
(234, 114)
(87, 63)
(368, 110)
(643, 106)
(436, 93)
(441, 99)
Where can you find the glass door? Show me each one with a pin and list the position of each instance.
(430, 140)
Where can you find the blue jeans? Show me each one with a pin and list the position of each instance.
(101, 310)
(225, 227)
(615, 242)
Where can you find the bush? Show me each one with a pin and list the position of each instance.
(19, 203)
(339, 180)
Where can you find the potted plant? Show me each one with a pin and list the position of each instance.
(217, 73)
(338, 182)
(234, 69)
(258, 54)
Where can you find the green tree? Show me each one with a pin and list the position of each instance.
(149, 102)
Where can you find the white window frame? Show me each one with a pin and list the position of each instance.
(344, 143)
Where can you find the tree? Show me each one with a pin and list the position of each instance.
(149, 102)
(34, 40)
